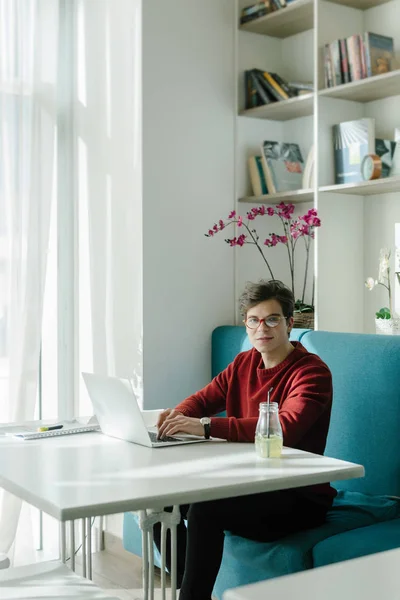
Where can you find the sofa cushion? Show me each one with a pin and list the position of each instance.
(366, 405)
(358, 542)
(245, 561)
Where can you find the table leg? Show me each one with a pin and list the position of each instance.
(89, 548)
(63, 553)
(145, 553)
(163, 550)
(83, 534)
(72, 544)
(151, 564)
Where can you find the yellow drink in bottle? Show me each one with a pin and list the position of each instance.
(268, 447)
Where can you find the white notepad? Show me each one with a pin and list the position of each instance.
(27, 433)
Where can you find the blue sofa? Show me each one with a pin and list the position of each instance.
(364, 429)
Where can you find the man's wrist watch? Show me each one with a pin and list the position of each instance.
(206, 422)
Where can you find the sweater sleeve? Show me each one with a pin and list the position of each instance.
(309, 397)
(211, 399)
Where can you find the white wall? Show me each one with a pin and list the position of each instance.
(188, 165)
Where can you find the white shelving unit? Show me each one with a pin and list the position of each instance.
(357, 219)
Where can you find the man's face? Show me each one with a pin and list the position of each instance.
(267, 339)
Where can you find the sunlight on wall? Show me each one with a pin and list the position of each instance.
(85, 298)
(81, 55)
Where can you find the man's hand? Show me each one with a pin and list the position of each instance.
(171, 422)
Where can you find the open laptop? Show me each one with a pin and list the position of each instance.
(118, 413)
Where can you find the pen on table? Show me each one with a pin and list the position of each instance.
(50, 427)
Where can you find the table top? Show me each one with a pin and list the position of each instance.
(90, 474)
(366, 578)
(47, 581)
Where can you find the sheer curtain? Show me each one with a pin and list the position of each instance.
(28, 94)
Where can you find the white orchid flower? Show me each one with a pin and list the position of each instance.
(383, 264)
(370, 283)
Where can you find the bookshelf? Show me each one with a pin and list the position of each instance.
(358, 218)
(293, 19)
(366, 188)
(283, 110)
(294, 197)
(367, 90)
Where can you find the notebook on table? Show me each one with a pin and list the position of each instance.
(32, 433)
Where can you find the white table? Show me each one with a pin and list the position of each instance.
(86, 475)
(366, 578)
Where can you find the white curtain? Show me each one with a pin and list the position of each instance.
(28, 93)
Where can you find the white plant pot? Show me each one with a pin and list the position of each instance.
(388, 326)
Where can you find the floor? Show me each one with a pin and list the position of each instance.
(121, 577)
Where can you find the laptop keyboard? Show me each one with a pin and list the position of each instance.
(155, 440)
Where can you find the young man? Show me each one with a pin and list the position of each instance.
(302, 387)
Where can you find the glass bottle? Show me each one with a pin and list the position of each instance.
(269, 437)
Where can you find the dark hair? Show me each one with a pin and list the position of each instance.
(254, 293)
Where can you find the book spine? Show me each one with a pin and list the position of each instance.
(355, 59)
(336, 63)
(284, 85)
(344, 61)
(276, 89)
(260, 170)
(363, 61)
(301, 86)
(247, 18)
(327, 66)
(260, 90)
(367, 54)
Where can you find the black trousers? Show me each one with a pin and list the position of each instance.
(262, 517)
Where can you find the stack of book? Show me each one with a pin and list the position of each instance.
(262, 87)
(357, 57)
(260, 9)
(278, 168)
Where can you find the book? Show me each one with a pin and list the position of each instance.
(257, 176)
(283, 163)
(395, 171)
(353, 52)
(344, 61)
(263, 94)
(336, 62)
(328, 69)
(379, 53)
(284, 85)
(274, 89)
(255, 11)
(253, 98)
(300, 85)
(352, 140)
(385, 150)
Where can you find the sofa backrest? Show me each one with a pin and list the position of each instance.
(365, 422)
(228, 340)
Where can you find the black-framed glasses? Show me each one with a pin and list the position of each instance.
(271, 321)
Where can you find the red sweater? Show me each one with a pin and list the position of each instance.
(302, 387)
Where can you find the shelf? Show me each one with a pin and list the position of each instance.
(365, 188)
(295, 197)
(366, 90)
(282, 23)
(283, 110)
(362, 4)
